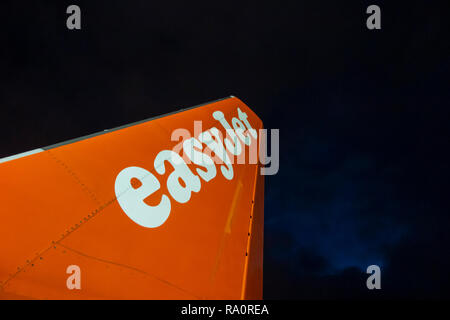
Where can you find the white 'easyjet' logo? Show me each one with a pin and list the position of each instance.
(131, 197)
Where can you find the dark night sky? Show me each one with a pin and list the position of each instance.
(363, 117)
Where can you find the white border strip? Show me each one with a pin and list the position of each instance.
(20, 155)
(24, 154)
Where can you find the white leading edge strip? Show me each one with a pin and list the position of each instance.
(20, 155)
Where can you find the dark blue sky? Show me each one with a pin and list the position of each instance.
(363, 117)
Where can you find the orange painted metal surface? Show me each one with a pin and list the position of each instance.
(59, 208)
